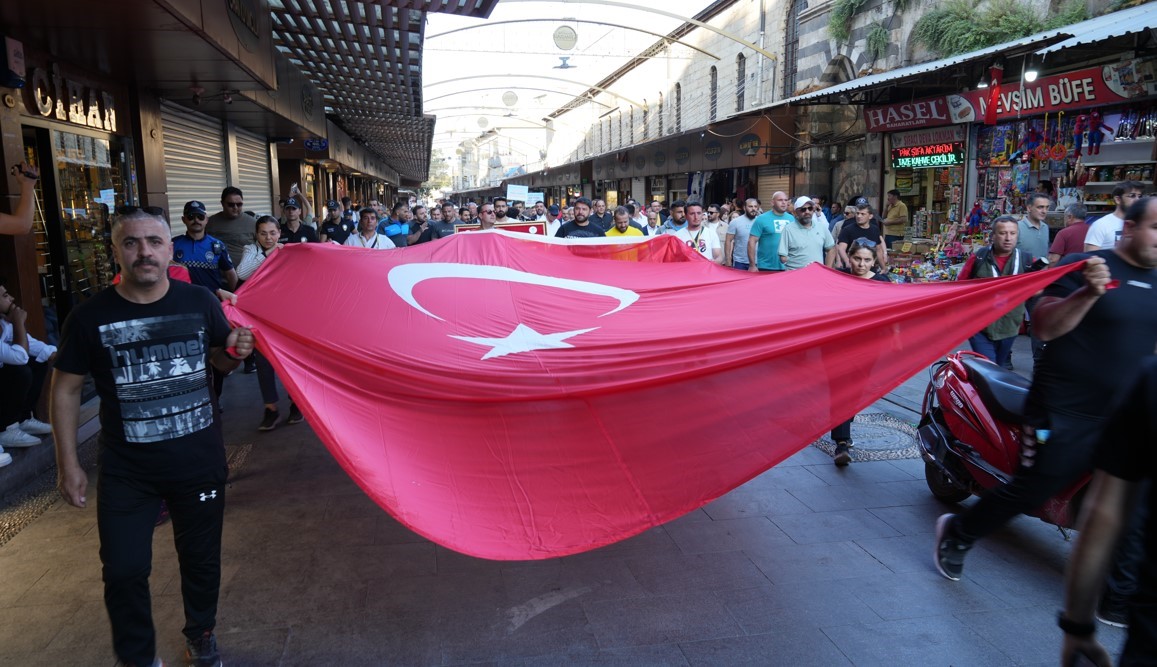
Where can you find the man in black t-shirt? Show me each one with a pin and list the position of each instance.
(1096, 339)
(1125, 461)
(149, 343)
(865, 227)
(581, 226)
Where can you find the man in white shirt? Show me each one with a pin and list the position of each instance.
(696, 234)
(1106, 231)
(24, 362)
(368, 236)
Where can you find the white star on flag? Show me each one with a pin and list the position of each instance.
(523, 339)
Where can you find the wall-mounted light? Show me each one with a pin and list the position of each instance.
(983, 83)
(1030, 69)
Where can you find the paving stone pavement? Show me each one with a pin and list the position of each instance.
(806, 564)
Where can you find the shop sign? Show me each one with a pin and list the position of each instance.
(1093, 86)
(931, 135)
(660, 158)
(682, 154)
(316, 144)
(243, 16)
(713, 150)
(946, 154)
(71, 101)
(749, 145)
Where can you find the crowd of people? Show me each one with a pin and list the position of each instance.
(1095, 328)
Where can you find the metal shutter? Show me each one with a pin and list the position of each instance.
(194, 160)
(253, 174)
(773, 178)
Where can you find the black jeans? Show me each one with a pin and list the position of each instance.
(1067, 455)
(266, 378)
(20, 388)
(126, 516)
(842, 431)
(1124, 575)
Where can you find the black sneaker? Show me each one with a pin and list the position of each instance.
(950, 552)
(202, 651)
(843, 457)
(295, 416)
(1113, 610)
(269, 421)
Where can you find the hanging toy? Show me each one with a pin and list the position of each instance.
(1096, 133)
(975, 218)
(1041, 152)
(1079, 128)
(1028, 144)
(1059, 150)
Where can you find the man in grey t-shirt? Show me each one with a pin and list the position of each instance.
(738, 233)
(232, 225)
(803, 242)
(1033, 234)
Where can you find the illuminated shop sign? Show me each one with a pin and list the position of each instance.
(945, 154)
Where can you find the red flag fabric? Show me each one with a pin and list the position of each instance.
(513, 398)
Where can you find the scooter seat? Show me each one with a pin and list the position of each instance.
(1003, 392)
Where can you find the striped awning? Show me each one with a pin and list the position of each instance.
(366, 57)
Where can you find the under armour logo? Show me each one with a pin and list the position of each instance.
(208, 496)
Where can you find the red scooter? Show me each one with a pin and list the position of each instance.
(969, 434)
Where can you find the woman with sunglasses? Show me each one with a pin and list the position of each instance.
(861, 260)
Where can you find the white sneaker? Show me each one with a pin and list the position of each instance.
(34, 426)
(5, 458)
(14, 437)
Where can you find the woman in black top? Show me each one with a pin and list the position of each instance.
(862, 256)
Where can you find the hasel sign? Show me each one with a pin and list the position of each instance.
(1093, 86)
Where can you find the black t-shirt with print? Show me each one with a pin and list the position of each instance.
(338, 231)
(436, 229)
(573, 230)
(1079, 372)
(304, 234)
(149, 362)
(851, 232)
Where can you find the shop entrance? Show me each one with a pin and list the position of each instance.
(84, 178)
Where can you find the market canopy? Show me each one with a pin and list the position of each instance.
(516, 398)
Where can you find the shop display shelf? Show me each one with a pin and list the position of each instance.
(1121, 152)
(1109, 185)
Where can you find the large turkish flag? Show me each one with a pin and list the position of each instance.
(520, 398)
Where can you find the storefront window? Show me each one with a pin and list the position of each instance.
(92, 176)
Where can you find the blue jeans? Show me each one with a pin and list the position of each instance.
(742, 266)
(997, 351)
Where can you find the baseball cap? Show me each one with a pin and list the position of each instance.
(553, 209)
(292, 203)
(802, 201)
(860, 201)
(331, 204)
(194, 208)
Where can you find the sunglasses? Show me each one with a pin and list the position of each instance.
(488, 211)
(807, 208)
(238, 205)
(864, 243)
(129, 210)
